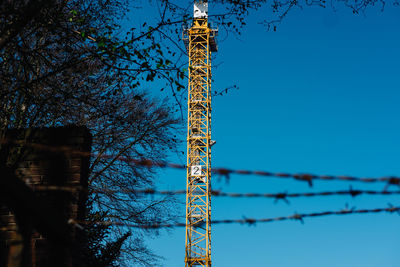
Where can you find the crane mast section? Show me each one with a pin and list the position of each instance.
(200, 42)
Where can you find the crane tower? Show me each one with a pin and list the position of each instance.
(200, 41)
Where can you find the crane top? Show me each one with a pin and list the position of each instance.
(200, 9)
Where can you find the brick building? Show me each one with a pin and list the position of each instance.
(47, 160)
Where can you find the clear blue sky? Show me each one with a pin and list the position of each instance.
(320, 95)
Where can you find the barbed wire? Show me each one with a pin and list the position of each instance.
(224, 172)
(249, 221)
(221, 172)
(277, 196)
(217, 193)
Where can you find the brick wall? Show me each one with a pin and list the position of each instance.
(39, 167)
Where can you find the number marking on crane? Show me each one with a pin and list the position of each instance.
(195, 170)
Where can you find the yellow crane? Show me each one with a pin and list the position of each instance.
(200, 41)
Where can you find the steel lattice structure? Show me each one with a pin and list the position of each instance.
(200, 42)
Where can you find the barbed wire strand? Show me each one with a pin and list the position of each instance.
(225, 173)
(248, 221)
(277, 196)
(217, 193)
(221, 172)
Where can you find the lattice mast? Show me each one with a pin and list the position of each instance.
(199, 39)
